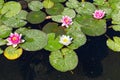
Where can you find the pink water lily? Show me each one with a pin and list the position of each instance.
(66, 21)
(14, 39)
(98, 14)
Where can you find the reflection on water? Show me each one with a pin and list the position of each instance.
(96, 62)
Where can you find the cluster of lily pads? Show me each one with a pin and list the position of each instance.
(72, 20)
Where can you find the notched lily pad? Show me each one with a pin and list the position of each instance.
(12, 53)
(114, 44)
(34, 40)
(11, 8)
(48, 4)
(4, 31)
(36, 17)
(63, 60)
(57, 9)
(53, 43)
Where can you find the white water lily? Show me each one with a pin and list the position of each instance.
(65, 40)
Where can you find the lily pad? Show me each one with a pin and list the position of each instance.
(57, 18)
(11, 8)
(116, 17)
(69, 12)
(4, 31)
(34, 40)
(78, 36)
(36, 17)
(72, 4)
(85, 8)
(53, 43)
(114, 44)
(1, 3)
(17, 20)
(2, 42)
(116, 27)
(63, 60)
(58, 0)
(48, 4)
(53, 28)
(35, 5)
(1, 51)
(12, 53)
(91, 27)
(57, 9)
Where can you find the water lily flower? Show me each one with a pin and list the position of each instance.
(14, 39)
(98, 14)
(65, 40)
(66, 21)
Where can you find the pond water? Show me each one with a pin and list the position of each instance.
(96, 62)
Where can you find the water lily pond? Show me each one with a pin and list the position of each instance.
(59, 40)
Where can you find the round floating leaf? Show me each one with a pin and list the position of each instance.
(58, 0)
(116, 27)
(91, 27)
(1, 3)
(114, 44)
(79, 38)
(72, 4)
(32, 0)
(48, 4)
(107, 10)
(12, 53)
(85, 8)
(2, 42)
(1, 51)
(11, 8)
(64, 60)
(53, 28)
(36, 17)
(4, 31)
(53, 43)
(57, 18)
(34, 40)
(69, 12)
(56, 9)
(116, 5)
(99, 2)
(35, 5)
(116, 17)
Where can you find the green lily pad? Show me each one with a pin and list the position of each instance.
(12, 53)
(1, 51)
(91, 27)
(53, 28)
(69, 12)
(114, 44)
(63, 60)
(99, 2)
(58, 0)
(116, 17)
(1, 3)
(36, 17)
(2, 42)
(4, 31)
(78, 36)
(11, 8)
(34, 40)
(57, 9)
(57, 18)
(85, 8)
(48, 4)
(116, 27)
(72, 4)
(16, 21)
(53, 43)
(35, 5)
